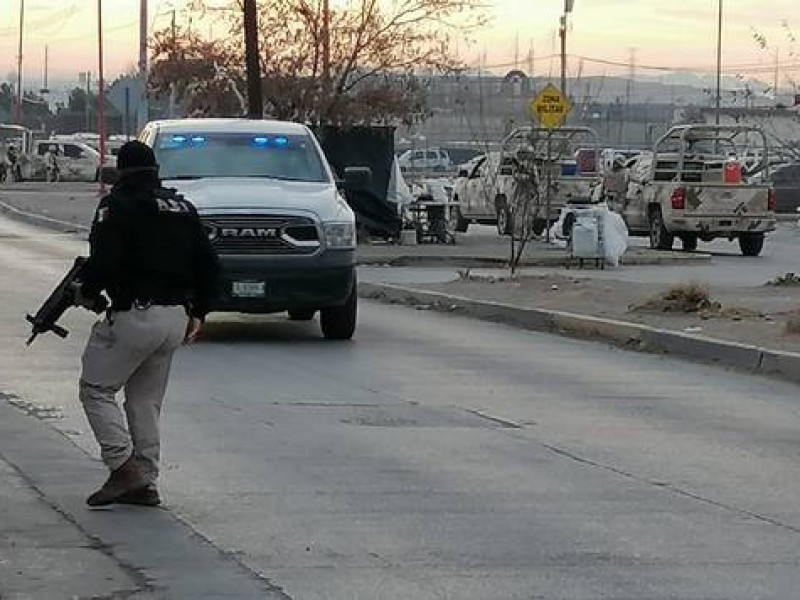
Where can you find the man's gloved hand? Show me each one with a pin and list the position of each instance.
(192, 330)
(96, 304)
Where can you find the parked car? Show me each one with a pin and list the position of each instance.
(285, 236)
(429, 159)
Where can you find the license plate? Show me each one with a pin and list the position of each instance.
(249, 289)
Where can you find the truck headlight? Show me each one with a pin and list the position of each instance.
(340, 235)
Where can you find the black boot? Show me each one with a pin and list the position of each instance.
(127, 478)
(146, 496)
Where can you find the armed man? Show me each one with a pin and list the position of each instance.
(152, 257)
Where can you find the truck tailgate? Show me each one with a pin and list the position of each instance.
(715, 199)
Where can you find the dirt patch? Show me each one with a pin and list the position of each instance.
(757, 315)
(684, 298)
(694, 298)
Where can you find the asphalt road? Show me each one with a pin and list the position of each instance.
(439, 458)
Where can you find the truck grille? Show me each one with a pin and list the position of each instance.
(259, 234)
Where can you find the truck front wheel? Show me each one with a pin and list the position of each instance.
(339, 322)
(660, 237)
(751, 243)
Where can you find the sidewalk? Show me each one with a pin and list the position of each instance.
(54, 548)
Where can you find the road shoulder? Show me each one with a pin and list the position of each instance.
(51, 545)
(625, 334)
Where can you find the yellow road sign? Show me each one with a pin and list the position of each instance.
(550, 107)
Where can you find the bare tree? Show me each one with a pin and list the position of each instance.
(335, 66)
(777, 132)
(205, 75)
(524, 205)
(534, 163)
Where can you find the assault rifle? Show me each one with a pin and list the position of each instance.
(63, 297)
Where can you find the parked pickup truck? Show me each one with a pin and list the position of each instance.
(474, 192)
(694, 186)
(534, 174)
(285, 236)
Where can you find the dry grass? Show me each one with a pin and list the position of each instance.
(790, 279)
(683, 298)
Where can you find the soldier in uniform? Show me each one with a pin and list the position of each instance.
(151, 255)
(53, 172)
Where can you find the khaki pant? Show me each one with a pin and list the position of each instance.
(131, 349)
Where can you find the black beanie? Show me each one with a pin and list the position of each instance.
(136, 155)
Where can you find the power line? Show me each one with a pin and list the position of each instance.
(729, 69)
(41, 22)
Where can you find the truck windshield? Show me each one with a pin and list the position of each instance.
(198, 155)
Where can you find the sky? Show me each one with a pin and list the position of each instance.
(651, 34)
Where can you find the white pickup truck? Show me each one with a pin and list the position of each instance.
(534, 174)
(694, 186)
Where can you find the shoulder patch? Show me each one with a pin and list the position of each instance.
(172, 205)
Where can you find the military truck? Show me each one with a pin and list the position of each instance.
(538, 175)
(697, 185)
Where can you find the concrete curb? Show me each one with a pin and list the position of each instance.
(42, 220)
(555, 259)
(633, 336)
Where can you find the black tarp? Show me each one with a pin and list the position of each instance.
(371, 147)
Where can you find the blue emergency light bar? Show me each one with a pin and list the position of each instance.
(262, 141)
(259, 141)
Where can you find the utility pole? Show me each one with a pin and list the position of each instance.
(142, 115)
(531, 51)
(255, 104)
(101, 100)
(326, 56)
(19, 62)
(173, 88)
(719, 65)
(628, 93)
(777, 75)
(45, 89)
(562, 31)
(88, 103)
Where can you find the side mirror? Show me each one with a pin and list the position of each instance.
(357, 178)
(463, 173)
